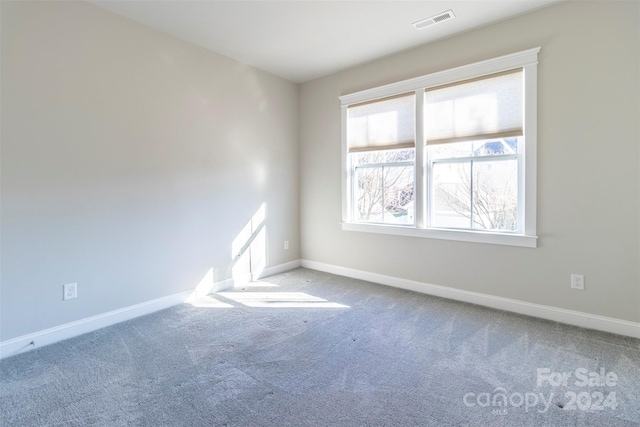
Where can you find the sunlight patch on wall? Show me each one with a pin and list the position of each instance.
(249, 249)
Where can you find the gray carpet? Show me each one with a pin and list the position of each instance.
(387, 358)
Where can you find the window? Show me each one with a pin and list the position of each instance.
(450, 155)
(381, 146)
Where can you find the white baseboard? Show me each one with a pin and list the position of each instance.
(281, 268)
(79, 327)
(571, 317)
(69, 330)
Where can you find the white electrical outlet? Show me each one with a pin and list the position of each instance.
(577, 282)
(70, 291)
(286, 245)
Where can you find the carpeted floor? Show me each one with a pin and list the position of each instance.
(306, 348)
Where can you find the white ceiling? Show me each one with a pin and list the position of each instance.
(302, 40)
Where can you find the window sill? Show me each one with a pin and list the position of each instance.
(443, 234)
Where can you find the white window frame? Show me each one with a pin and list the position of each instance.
(528, 61)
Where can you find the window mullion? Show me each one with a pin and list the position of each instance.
(378, 165)
(420, 175)
(488, 158)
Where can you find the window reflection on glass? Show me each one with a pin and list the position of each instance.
(475, 185)
(384, 188)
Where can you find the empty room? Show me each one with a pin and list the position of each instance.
(319, 213)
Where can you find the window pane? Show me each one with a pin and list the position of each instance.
(451, 205)
(492, 147)
(495, 147)
(447, 151)
(495, 195)
(384, 156)
(399, 197)
(368, 194)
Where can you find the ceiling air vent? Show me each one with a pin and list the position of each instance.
(444, 16)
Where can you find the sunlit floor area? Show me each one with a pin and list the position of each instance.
(306, 348)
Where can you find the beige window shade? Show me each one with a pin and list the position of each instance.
(382, 124)
(483, 108)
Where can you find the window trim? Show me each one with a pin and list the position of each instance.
(527, 60)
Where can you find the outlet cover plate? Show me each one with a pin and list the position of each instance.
(577, 282)
(70, 291)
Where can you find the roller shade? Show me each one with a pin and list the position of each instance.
(484, 108)
(382, 124)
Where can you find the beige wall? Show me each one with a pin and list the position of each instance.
(588, 165)
(130, 162)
